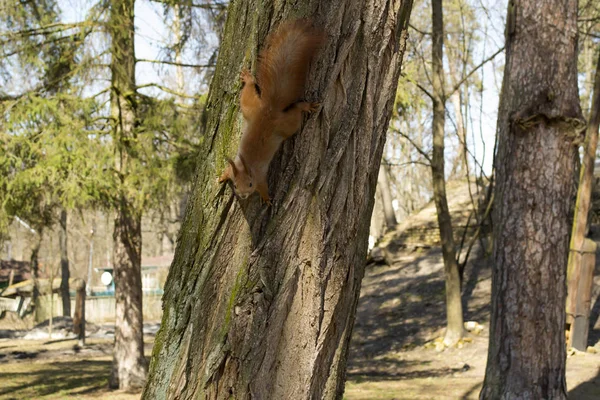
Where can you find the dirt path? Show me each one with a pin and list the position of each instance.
(402, 309)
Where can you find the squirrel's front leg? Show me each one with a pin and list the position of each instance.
(263, 190)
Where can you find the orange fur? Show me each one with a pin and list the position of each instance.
(272, 112)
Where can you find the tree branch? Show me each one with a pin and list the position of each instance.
(167, 90)
(467, 76)
(417, 84)
(416, 146)
(175, 63)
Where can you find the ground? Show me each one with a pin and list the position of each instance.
(400, 313)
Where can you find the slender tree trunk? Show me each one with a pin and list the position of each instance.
(386, 198)
(538, 121)
(584, 193)
(454, 315)
(129, 365)
(462, 160)
(34, 261)
(260, 301)
(64, 265)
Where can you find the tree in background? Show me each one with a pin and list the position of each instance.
(260, 300)
(419, 115)
(539, 123)
(67, 149)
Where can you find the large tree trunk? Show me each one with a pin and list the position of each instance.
(64, 265)
(386, 198)
(538, 120)
(129, 365)
(260, 301)
(454, 315)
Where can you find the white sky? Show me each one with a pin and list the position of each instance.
(152, 36)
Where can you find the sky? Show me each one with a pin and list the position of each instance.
(153, 35)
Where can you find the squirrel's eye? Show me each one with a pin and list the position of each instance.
(250, 185)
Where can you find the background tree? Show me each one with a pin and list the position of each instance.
(260, 300)
(77, 152)
(454, 316)
(539, 121)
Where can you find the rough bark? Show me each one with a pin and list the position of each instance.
(454, 315)
(584, 192)
(260, 301)
(64, 265)
(129, 365)
(386, 198)
(538, 121)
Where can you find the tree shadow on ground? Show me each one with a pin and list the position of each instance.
(74, 377)
(589, 390)
(403, 306)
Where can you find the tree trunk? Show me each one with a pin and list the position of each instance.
(386, 198)
(35, 270)
(454, 315)
(260, 301)
(129, 365)
(64, 265)
(538, 121)
(461, 162)
(584, 193)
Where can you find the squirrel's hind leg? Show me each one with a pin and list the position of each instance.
(290, 119)
(249, 100)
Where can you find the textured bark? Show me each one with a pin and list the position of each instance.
(260, 301)
(584, 193)
(64, 265)
(454, 315)
(538, 121)
(129, 365)
(386, 198)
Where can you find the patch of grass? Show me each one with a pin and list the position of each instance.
(72, 379)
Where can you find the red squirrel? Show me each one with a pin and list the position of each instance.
(270, 104)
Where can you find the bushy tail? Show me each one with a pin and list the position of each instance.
(284, 62)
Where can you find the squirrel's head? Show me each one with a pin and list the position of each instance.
(241, 178)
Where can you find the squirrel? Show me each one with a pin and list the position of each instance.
(270, 104)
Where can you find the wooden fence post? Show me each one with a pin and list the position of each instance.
(580, 293)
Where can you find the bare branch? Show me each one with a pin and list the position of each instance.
(167, 90)
(417, 84)
(175, 63)
(416, 146)
(467, 76)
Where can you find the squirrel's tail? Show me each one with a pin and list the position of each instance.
(284, 62)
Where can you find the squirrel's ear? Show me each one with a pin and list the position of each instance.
(232, 164)
(244, 164)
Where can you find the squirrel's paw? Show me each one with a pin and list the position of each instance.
(310, 107)
(246, 76)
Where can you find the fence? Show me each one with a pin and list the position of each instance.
(99, 309)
